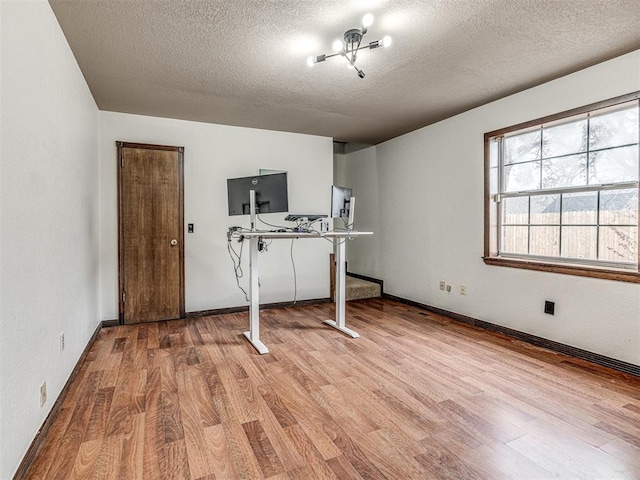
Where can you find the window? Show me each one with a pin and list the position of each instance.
(562, 192)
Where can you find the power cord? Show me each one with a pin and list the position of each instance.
(348, 226)
(279, 227)
(236, 258)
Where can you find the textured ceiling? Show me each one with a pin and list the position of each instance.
(243, 62)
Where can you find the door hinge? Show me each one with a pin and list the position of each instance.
(123, 297)
(121, 161)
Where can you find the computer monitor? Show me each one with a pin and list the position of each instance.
(271, 194)
(340, 201)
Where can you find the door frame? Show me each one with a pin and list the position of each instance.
(120, 146)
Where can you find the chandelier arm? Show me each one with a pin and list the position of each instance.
(333, 55)
(353, 64)
(358, 46)
(346, 52)
(355, 50)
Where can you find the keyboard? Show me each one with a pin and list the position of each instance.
(293, 217)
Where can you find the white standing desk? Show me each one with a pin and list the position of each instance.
(339, 238)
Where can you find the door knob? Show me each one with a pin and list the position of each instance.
(174, 242)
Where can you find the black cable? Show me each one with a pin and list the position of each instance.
(237, 269)
(300, 225)
(236, 232)
(269, 224)
(347, 226)
(330, 240)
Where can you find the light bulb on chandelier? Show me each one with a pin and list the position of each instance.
(351, 45)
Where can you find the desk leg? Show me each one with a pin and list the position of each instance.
(253, 335)
(339, 322)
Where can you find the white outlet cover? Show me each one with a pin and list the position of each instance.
(43, 394)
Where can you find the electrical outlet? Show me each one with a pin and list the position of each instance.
(449, 288)
(463, 289)
(549, 307)
(442, 285)
(62, 342)
(43, 394)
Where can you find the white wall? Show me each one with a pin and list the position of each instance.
(49, 208)
(212, 154)
(358, 170)
(435, 177)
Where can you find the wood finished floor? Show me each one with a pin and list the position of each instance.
(417, 396)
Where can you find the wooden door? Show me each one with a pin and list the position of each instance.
(151, 242)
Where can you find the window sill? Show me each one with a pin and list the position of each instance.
(619, 275)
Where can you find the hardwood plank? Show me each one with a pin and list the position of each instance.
(85, 459)
(547, 410)
(353, 453)
(219, 457)
(272, 427)
(132, 459)
(328, 364)
(244, 459)
(192, 356)
(193, 333)
(128, 400)
(559, 463)
(109, 378)
(279, 410)
(107, 463)
(171, 420)
(153, 335)
(202, 395)
(174, 460)
(624, 452)
(417, 396)
(195, 442)
(263, 450)
(379, 411)
(390, 460)
(585, 457)
(444, 464)
(316, 465)
(633, 407)
(153, 431)
(629, 438)
(179, 356)
(497, 460)
(308, 415)
(500, 431)
(99, 414)
(347, 411)
(374, 407)
(343, 469)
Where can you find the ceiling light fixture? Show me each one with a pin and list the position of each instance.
(350, 45)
